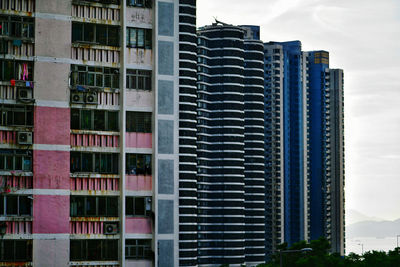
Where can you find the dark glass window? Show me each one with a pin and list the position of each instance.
(16, 250)
(91, 206)
(15, 160)
(138, 122)
(138, 206)
(94, 250)
(16, 205)
(91, 119)
(138, 164)
(106, 163)
(138, 79)
(17, 70)
(139, 38)
(95, 33)
(17, 26)
(94, 76)
(138, 249)
(140, 3)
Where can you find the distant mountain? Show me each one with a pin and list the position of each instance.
(353, 216)
(379, 229)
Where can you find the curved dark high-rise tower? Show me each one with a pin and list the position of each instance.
(221, 145)
(187, 134)
(254, 146)
(230, 144)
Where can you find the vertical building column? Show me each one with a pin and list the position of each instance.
(51, 155)
(166, 133)
(122, 124)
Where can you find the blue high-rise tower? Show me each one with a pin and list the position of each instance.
(284, 124)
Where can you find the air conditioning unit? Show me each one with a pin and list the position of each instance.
(24, 138)
(91, 98)
(110, 228)
(77, 98)
(24, 94)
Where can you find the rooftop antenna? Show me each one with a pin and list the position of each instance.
(219, 22)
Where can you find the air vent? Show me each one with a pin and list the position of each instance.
(77, 98)
(24, 94)
(91, 98)
(25, 138)
(110, 228)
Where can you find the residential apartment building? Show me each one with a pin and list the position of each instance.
(90, 98)
(325, 164)
(286, 211)
(230, 172)
(304, 156)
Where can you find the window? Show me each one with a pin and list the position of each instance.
(17, 26)
(13, 205)
(95, 33)
(15, 160)
(140, 3)
(139, 122)
(15, 115)
(114, 2)
(17, 70)
(90, 206)
(139, 249)
(138, 164)
(94, 250)
(94, 119)
(138, 206)
(139, 38)
(105, 163)
(138, 79)
(94, 76)
(15, 250)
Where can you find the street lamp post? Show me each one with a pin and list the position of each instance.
(362, 248)
(281, 252)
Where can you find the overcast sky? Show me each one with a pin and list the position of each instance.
(363, 38)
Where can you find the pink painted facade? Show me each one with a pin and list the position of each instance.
(139, 140)
(8, 137)
(52, 125)
(51, 169)
(90, 226)
(50, 214)
(137, 225)
(94, 184)
(16, 182)
(139, 182)
(20, 227)
(94, 140)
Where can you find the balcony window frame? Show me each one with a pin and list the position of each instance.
(139, 79)
(83, 202)
(138, 249)
(102, 77)
(140, 3)
(139, 38)
(7, 200)
(10, 245)
(89, 162)
(85, 250)
(16, 158)
(131, 164)
(138, 122)
(17, 26)
(14, 71)
(89, 33)
(85, 119)
(132, 204)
